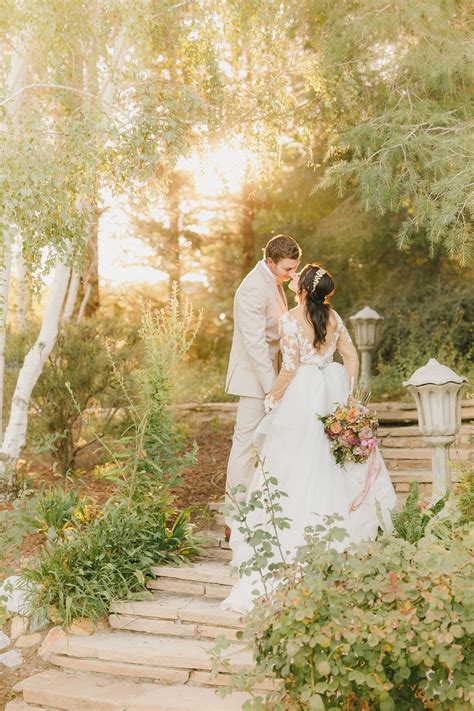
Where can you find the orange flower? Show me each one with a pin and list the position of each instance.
(336, 427)
(352, 415)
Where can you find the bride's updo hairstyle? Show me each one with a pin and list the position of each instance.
(318, 285)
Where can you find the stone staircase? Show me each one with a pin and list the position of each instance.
(406, 454)
(155, 655)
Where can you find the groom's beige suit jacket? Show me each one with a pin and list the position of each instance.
(253, 362)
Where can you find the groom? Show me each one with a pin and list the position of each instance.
(253, 364)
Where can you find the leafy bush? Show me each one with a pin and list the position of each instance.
(57, 510)
(53, 508)
(412, 521)
(107, 555)
(151, 446)
(80, 359)
(109, 558)
(14, 526)
(429, 321)
(388, 626)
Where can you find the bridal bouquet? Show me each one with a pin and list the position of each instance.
(352, 432)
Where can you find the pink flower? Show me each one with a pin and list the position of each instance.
(366, 433)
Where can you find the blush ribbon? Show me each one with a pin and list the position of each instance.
(373, 470)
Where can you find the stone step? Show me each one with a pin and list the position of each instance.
(422, 476)
(24, 706)
(77, 692)
(205, 572)
(424, 453)
(219, 554)
(176, 615)
(214, 539)
(414, 431)
(207, 578)
(419, 442)
(395, 465)
(219, 519)
(145, 656)
(403, 412)
(215, 505)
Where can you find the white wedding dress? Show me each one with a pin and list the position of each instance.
(296, 451)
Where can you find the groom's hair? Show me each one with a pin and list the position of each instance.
(281, 247)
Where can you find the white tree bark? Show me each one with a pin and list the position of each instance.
(84, 302)
(21, 294)
(15, 79)
(71, 296)
(15, 433)
(5, 288)
(108, 90)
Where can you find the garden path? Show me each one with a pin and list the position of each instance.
(154, 655)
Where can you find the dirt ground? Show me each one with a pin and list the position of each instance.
(202, 483)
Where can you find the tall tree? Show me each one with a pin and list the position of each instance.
(396, 81)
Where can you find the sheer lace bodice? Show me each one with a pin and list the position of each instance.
(297, 349)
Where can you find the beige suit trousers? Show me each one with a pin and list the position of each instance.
(241, 465)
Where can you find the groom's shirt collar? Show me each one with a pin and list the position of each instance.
(269, 270)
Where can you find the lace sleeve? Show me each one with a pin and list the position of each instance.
(290, 354)
(348, 352)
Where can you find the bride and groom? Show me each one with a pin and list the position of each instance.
(277, 413)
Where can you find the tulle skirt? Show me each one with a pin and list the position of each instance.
(295, 450)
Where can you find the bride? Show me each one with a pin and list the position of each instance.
(291, 442)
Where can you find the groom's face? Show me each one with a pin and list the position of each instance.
(284, 269)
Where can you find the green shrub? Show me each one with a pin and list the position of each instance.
(386, 627)
(412, 521)
(424, 321)
(53, 508)
(14, 526)
(151, 446)
(80, 361)
(109, 558)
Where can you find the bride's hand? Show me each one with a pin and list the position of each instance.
(269, 404)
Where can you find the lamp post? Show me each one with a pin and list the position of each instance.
(366, 324)
(437, 391)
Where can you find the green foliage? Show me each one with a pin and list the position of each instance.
(411, 522)
(387, 625)
(56, 510)
(261, 537)
(426, 319)
(14, 525)
(156, 445)
(459, 510)
(109, 558)
(464, 494)
(401, 110)
(80, 362)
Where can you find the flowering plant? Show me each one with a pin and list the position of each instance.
(352, 431)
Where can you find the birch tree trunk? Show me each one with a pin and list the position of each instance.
(88, 293)
(15, 433)
(15, 79)
(84, 302)
(71, 295)
(5, 288)
(21, 294)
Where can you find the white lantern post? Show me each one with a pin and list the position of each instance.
(437, 391)
(366, 323)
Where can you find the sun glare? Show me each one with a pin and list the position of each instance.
(219, 170)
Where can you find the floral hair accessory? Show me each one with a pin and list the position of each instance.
(317, 278)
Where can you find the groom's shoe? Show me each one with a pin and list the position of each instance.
(227, 534)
